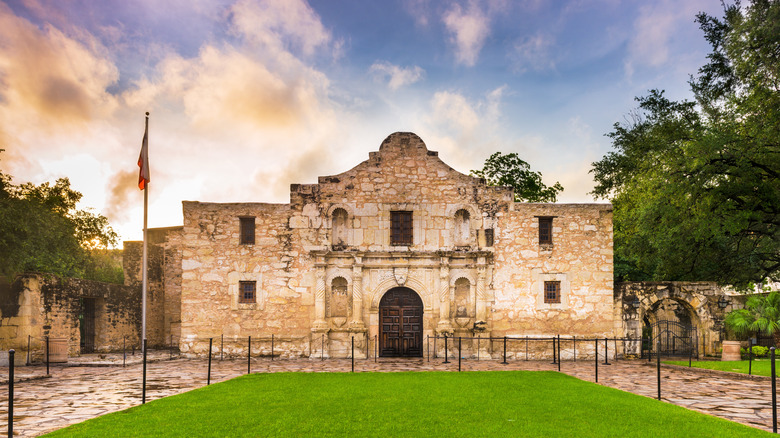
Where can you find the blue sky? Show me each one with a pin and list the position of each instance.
(249, 96)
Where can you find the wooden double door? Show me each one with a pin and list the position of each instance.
(400, 324)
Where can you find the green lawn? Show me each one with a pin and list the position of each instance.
(761, 367)
(409, 404)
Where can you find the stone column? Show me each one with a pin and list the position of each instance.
(444, 296)
(319, 298)
(357, 294)
(482, 297)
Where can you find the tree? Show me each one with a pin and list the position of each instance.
(761, 314)
(510, 171)
(41, 230)
(695, 185)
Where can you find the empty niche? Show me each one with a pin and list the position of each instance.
(462, 293)
(462, 228)
(338, 297)
(339, 219)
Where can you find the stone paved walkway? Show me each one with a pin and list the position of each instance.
(76, 393)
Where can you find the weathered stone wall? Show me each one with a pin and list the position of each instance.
(694, 303)
(580, 257)
(164, 260)
(42, 305)
(302, 255)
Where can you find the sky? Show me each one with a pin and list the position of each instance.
(249, 96)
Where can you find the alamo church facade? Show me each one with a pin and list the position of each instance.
(398, 248)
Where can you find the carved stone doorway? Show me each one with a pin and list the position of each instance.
(400, 323)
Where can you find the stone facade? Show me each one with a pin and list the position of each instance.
(322, 263)
(40, 305)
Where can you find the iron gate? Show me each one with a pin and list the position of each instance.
(675, 339)
(87, 325)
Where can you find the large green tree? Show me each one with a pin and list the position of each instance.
(510, 171)
(41, 230)
(696, 184)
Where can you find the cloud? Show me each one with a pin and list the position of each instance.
(654, 29)
(398, 76)
(533, 53)
(122, 186)
(280, 24)
(469, 29)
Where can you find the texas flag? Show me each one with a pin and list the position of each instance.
(143, 159)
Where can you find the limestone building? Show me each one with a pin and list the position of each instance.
(398, 248)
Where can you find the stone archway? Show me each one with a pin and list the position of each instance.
(400, 323)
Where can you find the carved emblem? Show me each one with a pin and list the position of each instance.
(401, 274)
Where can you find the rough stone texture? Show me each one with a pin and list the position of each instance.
(163, 314)
(42, 305)
(694, 303)
(298, 254)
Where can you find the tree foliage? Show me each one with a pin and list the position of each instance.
(41, 230)
(696, 184)
(510, 171)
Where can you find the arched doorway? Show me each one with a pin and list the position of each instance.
(670, 324)
(400, 323)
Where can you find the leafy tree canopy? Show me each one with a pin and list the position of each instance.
(510, 171)
(41, 230)
(696, 184)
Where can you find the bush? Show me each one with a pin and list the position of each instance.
(758, 351)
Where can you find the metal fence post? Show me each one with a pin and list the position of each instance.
(376, 349)
(774, 392)
(272, 347)
(750, 357)
(446, 356)
(559, 353)
(28, 351)
(353, 354)
(124, 351)
(606, 351)
(322, 348)
(249, 356)
(459, 353)
(596, 351)
(221, 346)
(574, 345)
(554, 361)
(526, 347)
(47, 355)
(658, 367)
(428, 346)
(505, 362)
(208, 379)
(143, 384)
(368, 346)
(11, 392)
(624, 349)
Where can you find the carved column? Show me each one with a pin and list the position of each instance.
(444, 297)
(357, 294)
(482, 297)
(319, 298)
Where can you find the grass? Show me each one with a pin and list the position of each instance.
(761, 367)
(510, 403)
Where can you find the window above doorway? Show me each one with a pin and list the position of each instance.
(401, 228)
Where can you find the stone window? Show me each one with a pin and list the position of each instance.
(338, 297)
(401, 228)
(339, 222)
(246, 235)
(552, 292)
(247, 292)
(462, 228)
(545, 230)
(488, 237)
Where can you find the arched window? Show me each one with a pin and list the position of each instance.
(338, 297)
(462, 297)
(339, 221)
(462, 228)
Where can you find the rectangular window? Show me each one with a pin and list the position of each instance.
(247, 292)
(545, 230)
(246, 230)
(488, 237)
(552, 292)
(401, 228)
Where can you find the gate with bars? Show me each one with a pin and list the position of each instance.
(675, 340)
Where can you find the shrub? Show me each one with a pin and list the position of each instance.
(758, 351)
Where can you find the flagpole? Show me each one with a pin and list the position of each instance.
(144, 275)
